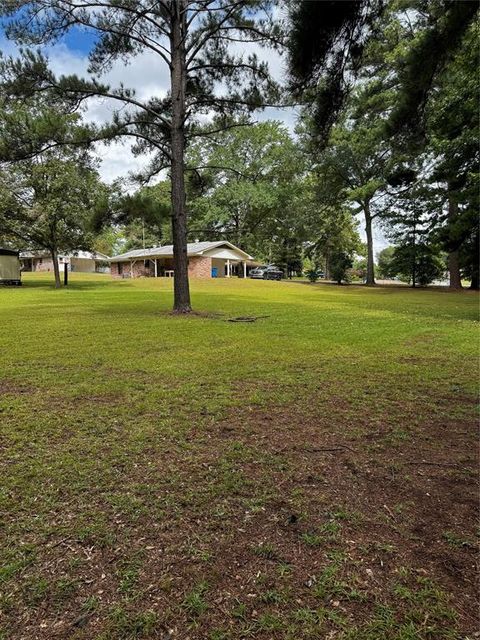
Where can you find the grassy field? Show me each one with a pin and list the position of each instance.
(310, 475)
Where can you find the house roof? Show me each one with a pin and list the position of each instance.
(85, 255)
(8, 252)
(193, 249)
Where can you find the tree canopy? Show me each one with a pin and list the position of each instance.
(388, 129)
(405, 132)
(49, 202)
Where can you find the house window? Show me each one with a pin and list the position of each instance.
(120, 268)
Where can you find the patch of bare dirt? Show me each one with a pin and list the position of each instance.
(238, 508)
(8, 387)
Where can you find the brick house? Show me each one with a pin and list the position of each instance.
(78, 261)
(205, 260)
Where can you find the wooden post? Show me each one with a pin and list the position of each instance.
(65, 273)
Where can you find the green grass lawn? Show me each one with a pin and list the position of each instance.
(310, 475)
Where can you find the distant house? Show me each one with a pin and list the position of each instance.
(9, 267)
(76, 261)
(205, 260)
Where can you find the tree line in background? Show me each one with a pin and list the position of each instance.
(387, 135)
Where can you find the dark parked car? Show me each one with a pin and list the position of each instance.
(266, 272)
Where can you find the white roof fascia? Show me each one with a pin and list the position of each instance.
(197, 249)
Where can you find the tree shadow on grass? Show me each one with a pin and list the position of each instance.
(73, 285)
(428, 302)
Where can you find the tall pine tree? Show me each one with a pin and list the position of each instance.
(193, 38)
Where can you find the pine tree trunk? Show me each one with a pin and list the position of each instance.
(453, 263)
(370, 281)
(238, 233)
(475, 264)
(181, 287)
(414, 258)
(56, 268)
(453, 260)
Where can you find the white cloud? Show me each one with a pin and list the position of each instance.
(63, 61)
(146, 74)
(117, 161)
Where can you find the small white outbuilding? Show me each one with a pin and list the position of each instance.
(9, 267)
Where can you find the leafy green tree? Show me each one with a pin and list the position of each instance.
(108, 241)
(32, 123)
(143, 215)
(435, 32)
(400, 46)
(371, 155)
(352, 168)
(470, 258)
(50, 192)
(453, 128)
(253, 192)
(335, 233)
(325, 46)
(293, 224)
(47, 202)
(416, 263)
(416, 253)
(340, 263)
(359, 268)
(426, 56)
(136, 235)
(384, 258)
(193, 39)
(288, 256)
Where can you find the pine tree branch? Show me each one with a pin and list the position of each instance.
(229, 65)
(201, 134)
(205, 34)
(219, 168)
(145, 14)
(144, 41)
(253, 105)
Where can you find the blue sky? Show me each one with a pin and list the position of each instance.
(76, 39)
(79, 40)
